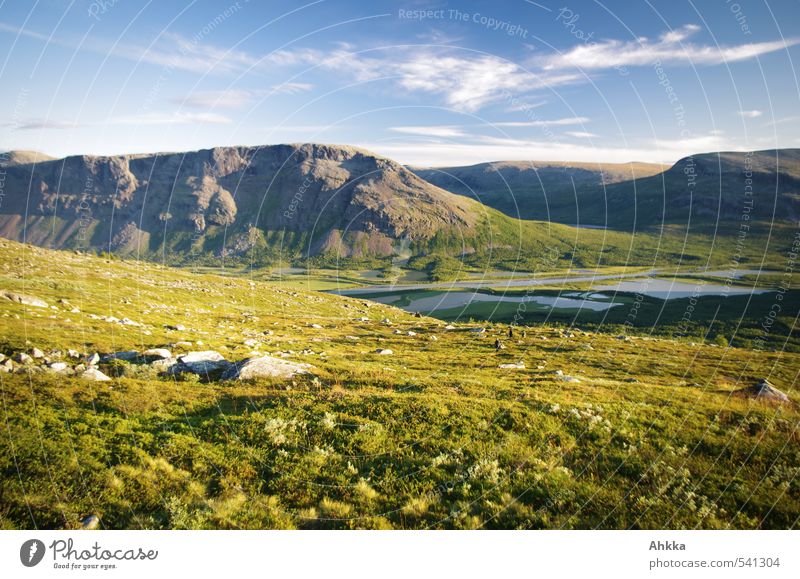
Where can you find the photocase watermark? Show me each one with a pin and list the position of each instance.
(31, 552)
(780, 291)
(740, 16)
(488, 22)
(569, 19)
(85, 210)
(19, 105)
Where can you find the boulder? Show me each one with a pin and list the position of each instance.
(763, 390)
(384, 352)
(58, 366)
(126, 355)
(264, 367)
(163, 364)
(95, 375)
(36, 353)
(90, 523)
(22, 358)
(202, 362)
(515, 366)
(176, 327)
(92, 359)
(25, 300)
(157, 354)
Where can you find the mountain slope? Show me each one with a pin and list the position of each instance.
(634, 197)
(521, 188)
(226, 200)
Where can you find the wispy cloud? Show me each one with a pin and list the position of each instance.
(224, 99)
(581, 134)
(291, 88)
(754, 114)
(180, 118)
(544, 122)
(670, 47)
(37, 124)
(430, 131)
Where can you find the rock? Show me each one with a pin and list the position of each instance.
(386, 321)
(22, 358)
(74, 354)
(95, 375)
(182, 345)
(397, 332)
(126, 355)
(264, 367)
(25, 300)
(353, 338)
(163, 364)
(176, 327)
(565, 378)
(559, 372)
(36, 353)
(202, 362)
(6, 367)
(316, 326)
(90, 523)
(362, 319)
(449, 327)
(384, 352)
(92, 359)
(157, 354)
(250, 343)
(58, 366)
(763, 390)
(478, 330)
(411, 333)
(433, 338)
(517, 366)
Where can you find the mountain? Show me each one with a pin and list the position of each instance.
(701, 190)
(11, 158)
(306, 198)
(519, 188)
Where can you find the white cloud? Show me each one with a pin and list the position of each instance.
(543, 122)
(180, 118)
(37, 124)
(430, 131)
(291, 88)
(669, 48)
(224, 99)
(434, 154)
(754, 114)
(581, 134)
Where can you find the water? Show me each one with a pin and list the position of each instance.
(446, 300)
(666, 289)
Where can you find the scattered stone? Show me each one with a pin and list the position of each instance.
(90, 523)
(517, 366)
(157, 353)
(398, 332)
(362, 319)
(176, 327)
(58, 366)
(25, 300)
(92, 360)
(250, 343)
(559, 372)
(411, 333)
(202, 362)
(36, 353)
(22, 358)
(478, 330)
(126, 355)
(182, 345)
(449, 327)
(316, 326)
(386, 321)
(95, 375)
(354, 338)
(433, 338)
(763, 390)
(384, 352)
(74, 354)
(264, 367)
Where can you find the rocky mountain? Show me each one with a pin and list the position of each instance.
(307, 199)
(703, 190)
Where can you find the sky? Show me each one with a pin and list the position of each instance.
(425, 83)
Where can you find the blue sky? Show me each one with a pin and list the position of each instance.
(426, 83)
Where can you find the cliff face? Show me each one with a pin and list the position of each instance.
(335, 198)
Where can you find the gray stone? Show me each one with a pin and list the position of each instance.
(92, 359)
(25, 300)
(36, 353)
(763, 390)
(384, 352)
(157, 353)
(202, 362)
(22, 358)
(90, 523)
(58, 366)
(95, 375)
(265, 367)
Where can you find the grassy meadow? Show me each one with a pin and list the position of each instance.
(597, 430)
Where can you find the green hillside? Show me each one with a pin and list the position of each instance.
(581, 429)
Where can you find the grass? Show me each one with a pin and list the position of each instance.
(433, 436)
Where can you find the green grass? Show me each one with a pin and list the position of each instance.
(434, 436)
